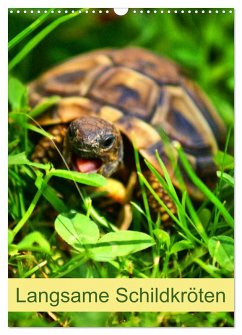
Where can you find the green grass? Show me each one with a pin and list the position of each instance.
(44, 201)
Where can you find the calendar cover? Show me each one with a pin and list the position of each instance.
(121, 187)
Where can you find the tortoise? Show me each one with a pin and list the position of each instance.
(132, 93)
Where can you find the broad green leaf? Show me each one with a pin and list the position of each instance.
(162, 236)
(36, 242)
(17, 94)
(181, 245)
(120, 243)
(221, 248)
(77, 230)
(91, 179)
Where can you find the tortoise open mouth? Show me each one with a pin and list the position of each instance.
(86, 165)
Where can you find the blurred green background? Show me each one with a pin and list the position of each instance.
(202, 43)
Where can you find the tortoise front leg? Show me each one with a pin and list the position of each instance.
(114, 191)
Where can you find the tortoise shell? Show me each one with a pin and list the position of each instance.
(143, 95)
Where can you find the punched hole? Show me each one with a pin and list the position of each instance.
(121, 11)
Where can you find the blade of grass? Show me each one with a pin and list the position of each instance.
(38, 129)
(34, 269)
(16, 197)
(226, 177)
(32, 205)
(21, 159)
(91, 179)
(202, 187)
(100, 219)
(189, 260)
(146, 183)
(43, 106)
(76, 262)
(137, 207)
(197, 223)
(170, 189)
(208, 268)
(143, 193)
(173, 217)
(51, 195)
(222, 167)
(28, 30)
(221, 177)
(194, 220)
(38, 38)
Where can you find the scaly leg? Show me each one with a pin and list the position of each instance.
(155, 207)
(45, 150)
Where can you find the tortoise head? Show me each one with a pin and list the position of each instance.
(93, 145)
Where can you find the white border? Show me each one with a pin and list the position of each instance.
(122, 4)
(3, 152)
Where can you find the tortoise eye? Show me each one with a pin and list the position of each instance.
(108, 142)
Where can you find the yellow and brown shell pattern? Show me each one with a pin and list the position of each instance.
(142, 94)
